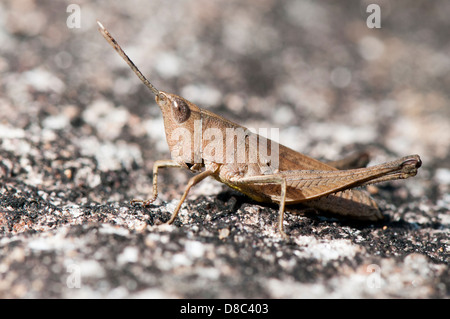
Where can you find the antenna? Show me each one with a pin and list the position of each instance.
(119, 50)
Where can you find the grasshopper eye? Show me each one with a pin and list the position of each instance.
(180, 110)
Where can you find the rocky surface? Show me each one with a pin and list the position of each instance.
(79, 135)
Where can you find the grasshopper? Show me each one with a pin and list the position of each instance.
(296, 178)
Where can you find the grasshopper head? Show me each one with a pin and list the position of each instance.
(180, 116)
(181, 123)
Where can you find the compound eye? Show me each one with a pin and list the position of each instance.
(180, 110)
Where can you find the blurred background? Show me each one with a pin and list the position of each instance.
(79, 134)
(298, 65)
(316, 70)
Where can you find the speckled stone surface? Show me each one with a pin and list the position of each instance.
(79, 135)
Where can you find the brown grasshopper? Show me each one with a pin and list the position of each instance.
(285, 177)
